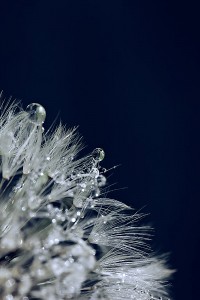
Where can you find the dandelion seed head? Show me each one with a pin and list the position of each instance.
(60, 238)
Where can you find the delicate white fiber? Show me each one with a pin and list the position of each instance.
(59, 238)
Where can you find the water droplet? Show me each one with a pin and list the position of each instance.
(10, 283)
(37, 113)
(101, 180)
(98, 154)
(78, 201)
(97, 193)
(34, 202)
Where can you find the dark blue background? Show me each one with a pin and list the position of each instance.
(127, 72)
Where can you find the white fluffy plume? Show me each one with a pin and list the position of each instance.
(59, 238)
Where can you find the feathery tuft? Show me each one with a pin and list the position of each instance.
(59, 238)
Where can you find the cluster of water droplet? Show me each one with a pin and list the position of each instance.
(40, 241)
(53, 221)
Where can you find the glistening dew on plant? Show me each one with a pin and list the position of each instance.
(59, 237)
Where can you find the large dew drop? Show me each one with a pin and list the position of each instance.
(98, 154)
(37, 113)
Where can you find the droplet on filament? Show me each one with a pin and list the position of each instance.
(98, 154)
(37, 113)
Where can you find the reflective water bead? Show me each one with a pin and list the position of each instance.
(98, 154)
(37, 113)
(78, 201)
(101, 180)
(34, 202)
(97, 192)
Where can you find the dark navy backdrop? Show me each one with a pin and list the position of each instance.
(127, 72)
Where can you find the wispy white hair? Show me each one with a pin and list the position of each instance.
(60, 238)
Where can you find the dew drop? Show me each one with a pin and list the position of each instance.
(10, 283)
(37, 113)
(98, 154)
(101, 180)
(97, 192)
(78, 202)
